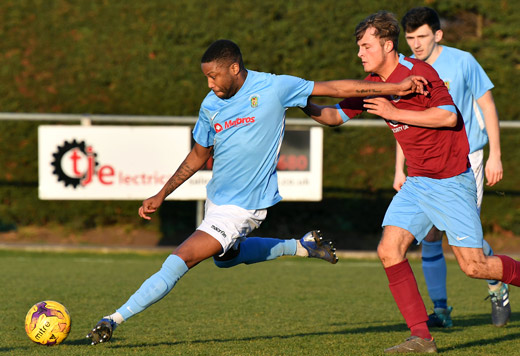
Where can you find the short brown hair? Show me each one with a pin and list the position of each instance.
(386, 25)
(224, 51)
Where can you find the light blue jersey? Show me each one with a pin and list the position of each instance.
(466, 82)
(246, 133)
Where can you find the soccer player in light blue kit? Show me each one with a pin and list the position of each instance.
(470, 88)
(241, 122)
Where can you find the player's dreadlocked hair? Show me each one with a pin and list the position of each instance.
(225, 51)
(385, 24)
(419, 16)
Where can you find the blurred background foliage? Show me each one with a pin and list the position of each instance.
(131, 57)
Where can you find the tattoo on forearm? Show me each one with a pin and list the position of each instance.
(180, 176)
(368, 91)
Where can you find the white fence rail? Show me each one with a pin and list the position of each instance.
(177, 120)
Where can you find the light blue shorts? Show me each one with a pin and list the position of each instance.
(450, 204)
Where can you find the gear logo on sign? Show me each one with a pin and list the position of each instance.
(74, 163)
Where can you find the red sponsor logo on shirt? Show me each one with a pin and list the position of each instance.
(239, 121)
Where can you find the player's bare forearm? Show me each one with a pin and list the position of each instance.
(399, 176)
(361, 88)
(493, 168)
(399, 158)
(194, 161)
(150, 205)
(432, 117)
(487, 104)
(183, 173)
(191, 164)
(350, 88)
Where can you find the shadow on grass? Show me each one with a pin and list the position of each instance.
(483, 342)
(360, 330)
(77, 342)
(460, 324)
(8, 349)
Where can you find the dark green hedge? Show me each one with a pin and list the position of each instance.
(142, 57)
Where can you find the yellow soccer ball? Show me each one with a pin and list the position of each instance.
(47, 323)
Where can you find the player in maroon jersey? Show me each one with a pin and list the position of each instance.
(440, 188)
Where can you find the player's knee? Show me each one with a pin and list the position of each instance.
(383, 252)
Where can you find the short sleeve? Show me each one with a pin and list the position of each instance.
(350, 107)
(203, 133)
(293, 91)
(475, 76)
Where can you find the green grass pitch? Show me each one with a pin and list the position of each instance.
(291, 306)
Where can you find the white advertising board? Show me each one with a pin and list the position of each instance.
(134, 162)
(299, 167)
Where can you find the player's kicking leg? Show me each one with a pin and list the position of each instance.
(198, 247)
(260, 249)
(222, 228)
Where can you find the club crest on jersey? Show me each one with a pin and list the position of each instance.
(396, 126)
(254, 101)
(447, 83)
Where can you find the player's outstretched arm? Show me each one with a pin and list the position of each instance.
(194, 161)
(360, 88)
(325, 115)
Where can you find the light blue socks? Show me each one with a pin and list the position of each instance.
(259, 249)
(434, 269)
(155, 287)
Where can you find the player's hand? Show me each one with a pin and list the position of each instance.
(150, 206)
(413, 84)
(399, 179)
(380, 107)
(493, 170)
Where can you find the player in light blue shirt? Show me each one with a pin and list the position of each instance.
(241, 123)
(470, 88)
(245, 175)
